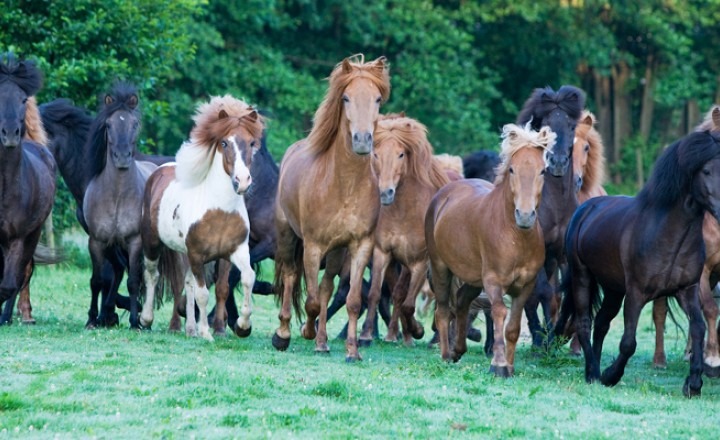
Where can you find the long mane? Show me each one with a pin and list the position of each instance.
(23, 73)
(542, 101)
(329, 115)
(214, 121)
(594, 172)
(413, 136)
(123, 95)
(34, 129)
(515, 138)
(672, 176)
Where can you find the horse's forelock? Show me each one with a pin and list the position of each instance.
(542, 101)
(24, 74)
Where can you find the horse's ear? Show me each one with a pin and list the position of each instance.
(109, 99)
(588, 120)
(222, 114)
(346, 66)
(381, 62)
(253, 116)
(402, 114)
(133, 101)
(716, 118)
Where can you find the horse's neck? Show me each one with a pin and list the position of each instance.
(559, 199)
(264, 172)
(412, 196)
(344, 166)
(11, 171)
(217, 184)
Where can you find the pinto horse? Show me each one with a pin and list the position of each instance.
(112, 205)
(560, 110)
(197, 208)
(27, 187)
(490, 239)
(641, 248)
(328, 201)
(408, 177)
(709, 278)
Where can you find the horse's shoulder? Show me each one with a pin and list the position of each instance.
(40, 152)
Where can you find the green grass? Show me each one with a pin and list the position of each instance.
(58, 379)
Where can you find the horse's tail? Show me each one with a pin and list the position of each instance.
(567, 306)
(294, 264)
(172, 267)
(47, 255)
(674, 304)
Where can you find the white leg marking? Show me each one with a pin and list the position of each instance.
(151, 277)
(241, 259)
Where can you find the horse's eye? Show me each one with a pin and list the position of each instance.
(253, 144)
(346, 99)
(377, 101)
(542, 173)
(401, 155)
(511, 170)
(587, 147)
(223, 144)
(375, 155)
(706, 172)
(24, 101)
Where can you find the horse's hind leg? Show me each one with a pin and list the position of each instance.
(465, 296)
(690, 303)
(241, 259)
(711, 356)
(6, 316)
(634, 303)
(440, 278)
(134, 276)
(287, 274)
(151, 276)
(659, 314)
(24, 306)
(418, 275)
(608, 311)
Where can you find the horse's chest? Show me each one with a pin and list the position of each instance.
(112, 217)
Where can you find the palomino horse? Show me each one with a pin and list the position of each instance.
(408, 178)
(641, 248)
(490, 239)
(709, 278)
(27, 187)
(197, 208)
(561, 112)
(328, 200)
(588, 159)
(112, 205)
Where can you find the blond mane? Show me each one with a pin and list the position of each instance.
(515, 138)
(451, 163)
(594, 172)
(214, 121)
(34, 129)
(413, 136)
(329, 115)
(711, 121)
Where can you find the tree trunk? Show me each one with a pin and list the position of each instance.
(603, 113)
(621, 111)
(646, 118)
(693, 115)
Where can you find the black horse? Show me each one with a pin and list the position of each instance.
(642, 248)
(27, 178)
(481, 165)
(560, 111)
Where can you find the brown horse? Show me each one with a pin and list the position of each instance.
(408, 178)
(709, 278)
(197, 208)
(588, 159)
(328, 200)
(490, 239)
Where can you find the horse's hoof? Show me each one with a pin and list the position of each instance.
(322, 349)
(364, 342)
(418, 332)
(30, 321)
(90, 325)
(457, 356)
(349, 359)
(305, 331)
(220, 333)
(691, 392)
(243, 333)
(608, 380)
(503, 372)
(712, 372)
(280, 344)
(474, 335)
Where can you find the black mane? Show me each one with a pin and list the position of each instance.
(481, 165)
(569, 99)
(23, 73)
(122, 95)
(672, 176)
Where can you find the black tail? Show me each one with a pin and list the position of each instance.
(567, 307)
(295, 265)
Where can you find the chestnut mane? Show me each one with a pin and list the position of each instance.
(594, 172)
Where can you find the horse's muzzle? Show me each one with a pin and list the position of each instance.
(558, 165)
(387, 196)
(362, 143)
(525, 220)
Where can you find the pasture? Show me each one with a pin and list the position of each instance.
(59, 380)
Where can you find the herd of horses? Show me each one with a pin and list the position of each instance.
(364, 189)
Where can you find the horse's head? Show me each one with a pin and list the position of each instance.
(581, 148)
(18, 81)
(122, 127)
(525, 154)
(238, 146)
(706, 179)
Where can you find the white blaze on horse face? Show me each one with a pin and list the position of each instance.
(240, 176)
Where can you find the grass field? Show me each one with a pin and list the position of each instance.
(59, 380)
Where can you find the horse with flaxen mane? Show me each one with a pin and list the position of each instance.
(27, 187)
(112, 204)
(328, 201)
(489, 238)
(709, 278)
(197, 208)
(588, 159)
(408, 177)
(642, 248)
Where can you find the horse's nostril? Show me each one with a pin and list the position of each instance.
(356, 137)
(368, 138)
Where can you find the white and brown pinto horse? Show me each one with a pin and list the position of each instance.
(328, 201)
(197, 208)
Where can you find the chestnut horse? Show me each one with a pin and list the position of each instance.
(709, 278)
(408, 177)
(197, 208)
(642, 248)
(490, 239)
(588, 159)
(27, 187)
(328, 201)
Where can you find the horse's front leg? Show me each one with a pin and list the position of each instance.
(711, 355)
(512, 330)
(241, 259)
(499, 364)
(135, 273)
(360, 253)
(418, 275)
(634, 302)
(311, 263)
(690, 303)
(24, 306)
(381, 260)
(97, 256)
(659, 315)
(333, 266)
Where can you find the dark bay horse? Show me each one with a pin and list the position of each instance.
(328, 201)
(560, 110)
(112, 204)
(641, 248)
(489, 238)
(27, 186)
(196, 207)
